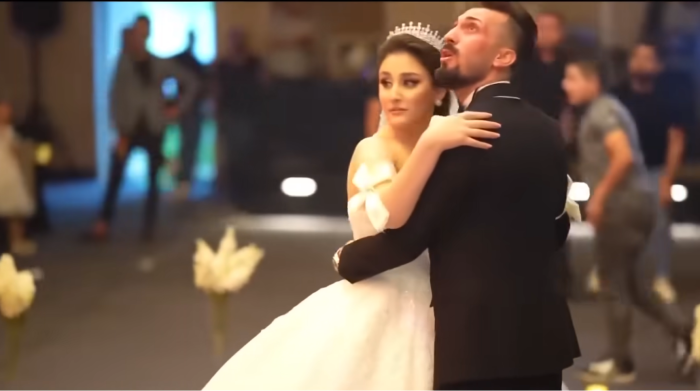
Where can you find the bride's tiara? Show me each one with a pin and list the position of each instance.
(431, 37)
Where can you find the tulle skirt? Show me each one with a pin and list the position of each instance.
(15, 200)
(376, 334)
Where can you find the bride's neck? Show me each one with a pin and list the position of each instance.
(409, 134)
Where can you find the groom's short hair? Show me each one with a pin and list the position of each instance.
(522, 27)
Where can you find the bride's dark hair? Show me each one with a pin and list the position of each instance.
(427, 56)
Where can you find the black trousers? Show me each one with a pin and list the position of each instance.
(544, 382)
(564, 276)
(244, 165)
(39, 222)
(152, 143)
(4, 237)
(191, 133)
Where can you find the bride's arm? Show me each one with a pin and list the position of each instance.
(399, 195)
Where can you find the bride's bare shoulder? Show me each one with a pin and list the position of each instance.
(372, 149)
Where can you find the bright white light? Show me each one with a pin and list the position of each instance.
(579, 192)
(597, 387)
(171, 23)
(679, 193)
(299, 187)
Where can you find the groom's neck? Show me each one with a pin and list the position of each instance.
(466, 93)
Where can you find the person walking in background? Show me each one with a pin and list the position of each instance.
(662, 128)
(16, 203)
(190, 121)
(540, 84)
(540, 79)
(238, 82)
(621, 210)
(140, 116)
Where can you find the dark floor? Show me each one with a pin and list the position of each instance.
(127, 316)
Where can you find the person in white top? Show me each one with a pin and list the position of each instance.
(16, 203)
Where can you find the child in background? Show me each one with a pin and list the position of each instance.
(16, 204)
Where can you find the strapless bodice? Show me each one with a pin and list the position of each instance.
(368, 215)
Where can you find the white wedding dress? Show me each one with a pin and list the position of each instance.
(373, 335)
(377, 334)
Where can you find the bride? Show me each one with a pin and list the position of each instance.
(377, 334)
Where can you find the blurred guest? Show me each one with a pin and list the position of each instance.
(238, 81)
(37, 129)
(582, 41)
(191, 120)
(16, 203)
(680, 17)
(140, 116)
(662, 129)
(540, 79)
(291, 51)
(621, 211)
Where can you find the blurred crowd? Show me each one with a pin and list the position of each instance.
(626, 119)
(627, 139)
(233, 90)
(565, 83)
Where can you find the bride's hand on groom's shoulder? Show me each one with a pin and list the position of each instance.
(459, 130)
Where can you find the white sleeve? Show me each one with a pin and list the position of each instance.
(366, 179)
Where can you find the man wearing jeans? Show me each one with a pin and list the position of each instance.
(662, 136)
(140, 116)
(621, 210)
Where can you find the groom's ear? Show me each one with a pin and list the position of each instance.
(506, 57)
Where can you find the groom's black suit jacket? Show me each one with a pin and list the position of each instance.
(489, 221)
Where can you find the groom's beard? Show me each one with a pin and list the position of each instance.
(453, 79)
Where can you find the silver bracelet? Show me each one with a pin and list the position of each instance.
(336, 259)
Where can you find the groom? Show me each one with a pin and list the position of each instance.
(492, 221)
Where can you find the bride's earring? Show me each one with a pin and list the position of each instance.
(438, 103)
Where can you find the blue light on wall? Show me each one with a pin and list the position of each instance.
(171, 22)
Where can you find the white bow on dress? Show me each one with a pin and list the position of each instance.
(365, 180)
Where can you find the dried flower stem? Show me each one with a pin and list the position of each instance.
(218, 301)
(15, 330)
